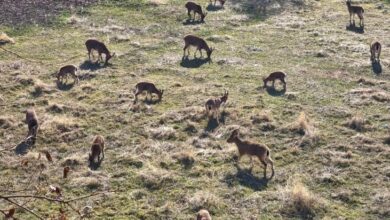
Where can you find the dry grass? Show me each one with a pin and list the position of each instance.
(301, 201)
(4, 38)
(155, 178)
(204, 200)
(150, 145)
(186, 158)
(357, 123)
(163, 133)
(304, 127)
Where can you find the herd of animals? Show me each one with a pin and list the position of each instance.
(261, 151)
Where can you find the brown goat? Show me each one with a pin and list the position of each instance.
(33, 124)
(375, 50)
(222, 2)
(274, 76)
(100, 47)
(97, 149)
(68, 70)
(213, 105)
(197, 9)
(251, 149)
(355, 10)
(197, 42)
(150, 88)
(203, 214)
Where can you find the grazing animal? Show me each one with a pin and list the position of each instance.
(68, 70)
(251, 149)
(33, 124)
(358, 10)
(100, 47)
(222, 2)
(203, 214)
(274, 76)
(197, 9)
(212, 105)
(97, 149)
(375, 49)
(197, 42)
(150, 88)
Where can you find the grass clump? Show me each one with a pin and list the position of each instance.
(301, 201)
(357, 123)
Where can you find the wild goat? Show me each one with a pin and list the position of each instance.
(197, 9)
(67, 70)
(274, 76)
(97, 149)
(33, 124)
(150, 88)
(375, 50)
(212, 105)
(100, 47)
(203, 214)
(222, 2)
(355, 10)
(197, 42)
(251, 149)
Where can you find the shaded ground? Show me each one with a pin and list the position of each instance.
(37, 11)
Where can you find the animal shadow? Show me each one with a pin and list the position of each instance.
(376, 67)
(93, 66)
(95, 165)
(352, 27)
(212, 7)
(194, 63)
(222, 118)
(212, 124)
(272, 91)
(151, 101)
(245, 178)
(23, 147)
(64, 86)
(190, 21)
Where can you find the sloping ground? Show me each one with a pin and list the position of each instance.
(166, 160)
(24, 12)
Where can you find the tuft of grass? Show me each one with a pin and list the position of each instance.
(301, 201)
(163, 133)
(7, 122)
(186, 158)
(155, 178)
(4, 39)
(357, 123)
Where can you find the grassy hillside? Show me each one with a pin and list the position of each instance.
(328, 133)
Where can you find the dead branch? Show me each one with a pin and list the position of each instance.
(24, 208)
